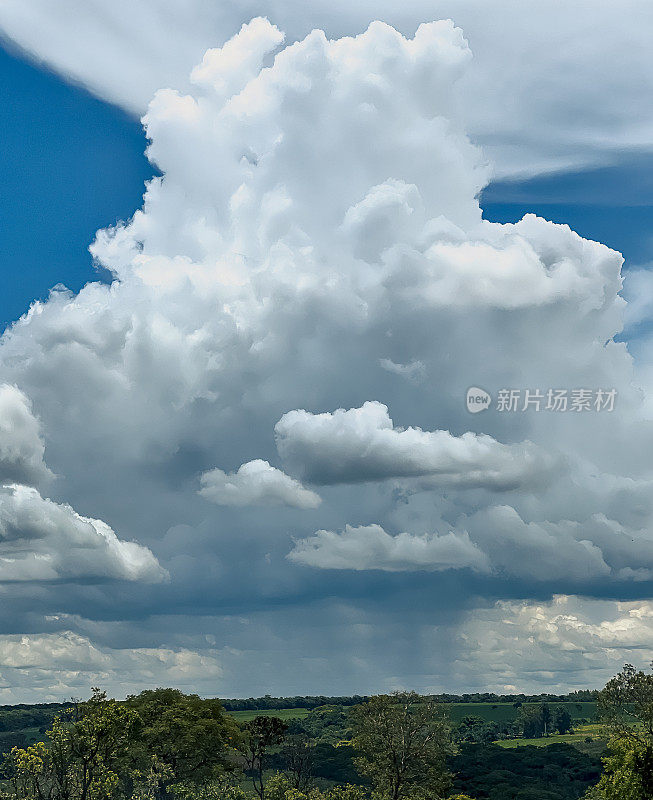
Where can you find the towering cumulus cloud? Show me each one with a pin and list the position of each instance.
(297, 313)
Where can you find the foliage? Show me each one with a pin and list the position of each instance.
(477, 730)
(140, 749)
(298, 755)
(537, 721)
(277, 703)
(326, 724)
(626, 770)
(260, 735)
(165, 745)
(222, 788)
(403, 744)
(626, 705)
(189, 735)
(531, 722)
(346, 791)
(16, 718)
(557, 772)
(146, 784)
(506, 713)
(336, 763)
(309, 702)
(81, 762)
(545, 713)
(280, 788)
(561, 720)
(326, 734)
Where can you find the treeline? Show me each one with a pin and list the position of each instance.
(269, 703)
(17, 717)
(581, 696)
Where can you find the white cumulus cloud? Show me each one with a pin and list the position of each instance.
(43, 541)
(369, 547)
(256, 483)
(361, 444)
(565, 643)
(64, 664)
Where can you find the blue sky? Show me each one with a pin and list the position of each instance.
(69, 164)
(612, 204)
(72, 164)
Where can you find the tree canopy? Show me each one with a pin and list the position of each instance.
(403, 744)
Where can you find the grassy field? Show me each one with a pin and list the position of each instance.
(490, 712)
(586, 738)
(506, 712)
(580, 734)
(282, 713)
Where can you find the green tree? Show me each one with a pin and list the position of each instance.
(561, 720)
(260, 735)
(545, 712)
(625, 772)
(298, 756)
(87, 746)
(626, 707)
(225, 787)
(477, 730)
(346, 791)
(403, 743)
(145, 784)
(279, 788)
(192, 737)
(530, 722)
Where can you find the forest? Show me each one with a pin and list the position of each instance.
(163, 744)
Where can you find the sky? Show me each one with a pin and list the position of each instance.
(92, 156)
(235, 449)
